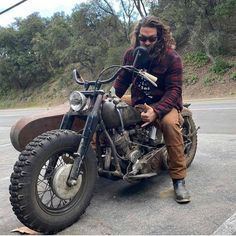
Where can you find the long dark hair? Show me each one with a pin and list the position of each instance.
(165, 39)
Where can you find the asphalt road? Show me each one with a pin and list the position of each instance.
(149, 207)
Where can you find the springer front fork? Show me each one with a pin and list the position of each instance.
(86, 137)
(89, 130)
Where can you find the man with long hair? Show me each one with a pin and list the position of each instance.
(162, 103)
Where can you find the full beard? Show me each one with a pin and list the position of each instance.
(156, 51)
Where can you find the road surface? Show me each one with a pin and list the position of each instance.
(149, 207)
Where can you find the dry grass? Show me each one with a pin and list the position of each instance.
(209, 84)
(199, 82)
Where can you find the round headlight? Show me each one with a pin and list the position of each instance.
(77, 101)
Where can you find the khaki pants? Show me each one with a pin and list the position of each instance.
(171, 128)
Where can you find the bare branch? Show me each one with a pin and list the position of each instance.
(205, 43)
(145, 12)
(139, 8)
(109, 6)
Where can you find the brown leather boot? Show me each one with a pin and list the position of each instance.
(181, 193)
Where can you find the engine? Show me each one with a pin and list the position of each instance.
(125, 147)
(132, 144)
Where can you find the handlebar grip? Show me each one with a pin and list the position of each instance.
(149, 76)
(77, 77)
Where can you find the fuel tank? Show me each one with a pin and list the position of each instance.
(111, 117)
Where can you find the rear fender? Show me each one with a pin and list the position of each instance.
(186, 112)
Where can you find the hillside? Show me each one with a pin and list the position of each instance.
(199, 82)
(37, 54)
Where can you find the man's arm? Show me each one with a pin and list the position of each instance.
(124, 79)
(173, 85)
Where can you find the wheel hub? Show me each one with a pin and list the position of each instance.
(59, 183)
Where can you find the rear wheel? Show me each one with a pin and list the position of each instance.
(189, 133)
(190, 139)
(40, 197)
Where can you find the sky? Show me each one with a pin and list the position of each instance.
(46, 8)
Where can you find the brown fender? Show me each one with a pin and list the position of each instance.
(27, 128)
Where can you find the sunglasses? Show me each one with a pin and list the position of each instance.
(151, 39)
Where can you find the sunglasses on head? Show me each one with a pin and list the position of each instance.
(151, 39)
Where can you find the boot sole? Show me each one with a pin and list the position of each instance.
(183, 200)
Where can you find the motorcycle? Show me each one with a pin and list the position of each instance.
(53, 180)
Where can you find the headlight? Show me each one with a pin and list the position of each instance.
(77, 101)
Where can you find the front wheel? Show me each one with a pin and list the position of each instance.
(40, 197)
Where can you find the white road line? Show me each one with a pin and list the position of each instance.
(212, 108)
(224, 99)
(5, 178)
(228, 227)
(16, 115)
(5, 128)
(5, 145)
(23, 109)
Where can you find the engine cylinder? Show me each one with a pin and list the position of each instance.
(122, 143)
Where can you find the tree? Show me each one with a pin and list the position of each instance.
(50, 45)
(140, 6)
(199, 23)
(95, 32)
(18, 63)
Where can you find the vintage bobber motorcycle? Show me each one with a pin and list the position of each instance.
(54, 178)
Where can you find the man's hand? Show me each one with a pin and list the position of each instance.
(148, 115)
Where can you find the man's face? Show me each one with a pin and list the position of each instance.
(147, 37)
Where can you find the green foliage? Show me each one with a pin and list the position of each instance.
(220, 66)
(233, 77)
(209, 81)
(191, 80)
(35, 50)
(196, 58)
(115, 55)
(205, 25)
(214, 43)
(226, 8)
(19, 66)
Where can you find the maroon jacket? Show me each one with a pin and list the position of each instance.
(167, 94)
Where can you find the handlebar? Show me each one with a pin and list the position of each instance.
(76, 76)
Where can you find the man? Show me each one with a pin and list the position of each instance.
(162, 103)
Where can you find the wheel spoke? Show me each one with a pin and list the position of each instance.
(62, 203)
(44, 189)
(49, 203)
